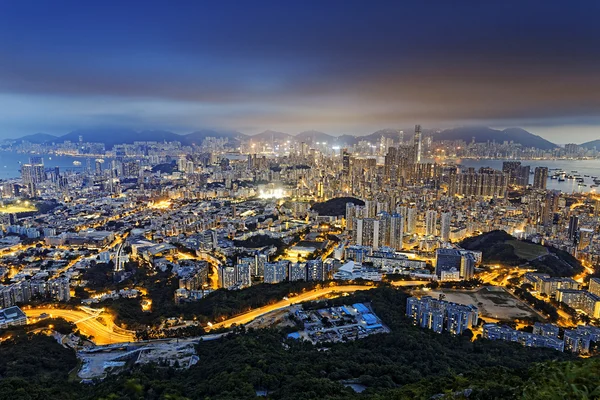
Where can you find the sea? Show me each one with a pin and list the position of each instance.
(571, 167)
(10, 163)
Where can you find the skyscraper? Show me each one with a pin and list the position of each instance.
(430, 222)
(573, 227)
(540, 177)
(445, 220)
(396, 229)
(417, 144)
(32, 173)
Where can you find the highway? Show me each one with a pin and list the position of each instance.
(102, 334)
(308, 296)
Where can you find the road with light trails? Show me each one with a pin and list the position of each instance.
(308, 296)
(102, 334)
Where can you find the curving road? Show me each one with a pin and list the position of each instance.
(102, 334)
(312, 295)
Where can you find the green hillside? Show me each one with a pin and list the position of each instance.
(498, 247)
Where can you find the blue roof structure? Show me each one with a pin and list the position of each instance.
(369, 318)
(374, 326)
(361, 308)
(345, 309)
(294, 335)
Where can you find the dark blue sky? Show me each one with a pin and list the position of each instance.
(336, 66)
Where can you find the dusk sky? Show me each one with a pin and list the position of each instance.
(335, 66)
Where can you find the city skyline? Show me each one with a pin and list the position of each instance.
(338, 67)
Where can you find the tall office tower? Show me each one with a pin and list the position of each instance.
(32, 174)
(510, 167)
(400, 137)
(573, 227)
(385, 221)
(390, 164)
(518, 175)
(411, 220)
(371, 208)
(430, 222)
(417, 144)
(522, 177)
(370, 233)
(487, 183)
(396, 229)
(357, 233)
(181, 163)
(350, 215)
(345, 162)
(540, 177)
(445, 220)
(467, 266)
(550, 207)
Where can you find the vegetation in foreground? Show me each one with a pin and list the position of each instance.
(409, 363)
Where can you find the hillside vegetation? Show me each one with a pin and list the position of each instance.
(336, 207)
(408, 363)
(498, 247)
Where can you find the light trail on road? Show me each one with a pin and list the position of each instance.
(308, 296)
(102, 334)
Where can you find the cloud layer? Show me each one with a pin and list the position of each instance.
(336, 66)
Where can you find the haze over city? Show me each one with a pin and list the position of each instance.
(341, 67)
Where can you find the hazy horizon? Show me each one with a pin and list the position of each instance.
(341, 67)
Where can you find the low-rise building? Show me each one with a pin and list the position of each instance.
(12, 316)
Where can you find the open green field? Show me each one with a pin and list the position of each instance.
(16, 208)
(528, 251)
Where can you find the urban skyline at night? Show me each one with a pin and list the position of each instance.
(316, 200)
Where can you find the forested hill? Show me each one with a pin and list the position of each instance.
(498, 247)
(336, 207)
(408, 363)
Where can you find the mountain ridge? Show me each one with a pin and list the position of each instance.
(112, 136)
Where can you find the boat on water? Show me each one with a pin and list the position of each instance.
(554, 177)
(77, 163)
(561, 179)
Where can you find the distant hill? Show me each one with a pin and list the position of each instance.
(335, 207)
(592, 144)
(269, 135)
(314, 137)
(498, 247)
(39, 138)
(485, 134)
(112, 136)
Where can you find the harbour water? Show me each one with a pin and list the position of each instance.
(582, 167)
(10, 163)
